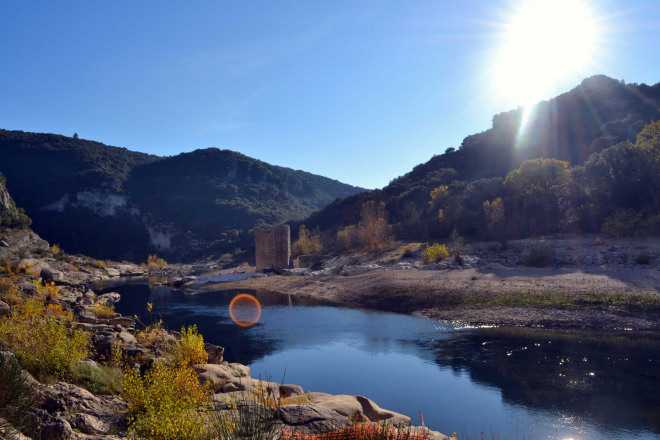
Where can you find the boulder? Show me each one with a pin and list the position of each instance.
(112, 272)
(56, 429)
(51, 275)
(109, 411)
(87, 423)
(347, 405)
(127, 338)
(215, 353)
(4, 309)
(127, 270)
(311, 419)
(108, 299)
(222, 374)
(287, 390)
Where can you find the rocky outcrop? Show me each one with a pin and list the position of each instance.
(73, 408)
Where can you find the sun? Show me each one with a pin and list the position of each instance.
(544, 43)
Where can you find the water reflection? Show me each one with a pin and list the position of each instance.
(612, 380)
(511, 381)
(208, 312)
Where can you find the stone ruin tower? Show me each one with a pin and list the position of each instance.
(273, 248)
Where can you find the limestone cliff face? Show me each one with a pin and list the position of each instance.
(110, 202)
(6, 205)
(10, 216)
(101, 203)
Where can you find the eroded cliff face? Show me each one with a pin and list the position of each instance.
(102, 203)
(5, 200)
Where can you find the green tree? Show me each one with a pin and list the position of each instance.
(648, 141)
(494, 217)
(536, 196)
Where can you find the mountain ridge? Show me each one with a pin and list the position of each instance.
(598, 114)
(111, 202)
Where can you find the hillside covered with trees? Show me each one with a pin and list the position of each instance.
(111, 202)
(586, 161)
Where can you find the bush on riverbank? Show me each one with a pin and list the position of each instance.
(435, 253)
(39, 333)
(541, 255)
(167, 402)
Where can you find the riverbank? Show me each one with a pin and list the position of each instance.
(69, 386)
(590, 286)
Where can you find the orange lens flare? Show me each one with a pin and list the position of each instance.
(245, 310)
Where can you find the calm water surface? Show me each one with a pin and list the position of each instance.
(511, 383)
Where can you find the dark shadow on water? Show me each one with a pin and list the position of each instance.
(613, 380)
(209, 311)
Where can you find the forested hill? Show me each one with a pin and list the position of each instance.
(110, 202)
(586, 129)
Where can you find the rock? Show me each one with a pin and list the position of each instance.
(112, 272)
(8, 356)
(56, 429)
(347, 405)
(311, 419)
(215, 353)
(28, 288)
(220, 375)
(4, 309)
(87, 423)
(108, 299)
(9, 432)
(288, 390)
(124, 321)
(4, 243)
(51, 275)
(403, 266)
(127, 270)
(231, 387)
(299, 272)
(357, 270)
(127, 338)
(67, 398)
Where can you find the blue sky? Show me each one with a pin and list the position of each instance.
(359, 91)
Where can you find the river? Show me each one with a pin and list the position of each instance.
(505, 383)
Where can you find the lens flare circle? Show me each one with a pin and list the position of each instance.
(245, 310)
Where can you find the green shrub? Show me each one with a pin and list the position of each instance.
(99, 379)
(540, 256)
(624, 223)
(435, 253)
(17, 395)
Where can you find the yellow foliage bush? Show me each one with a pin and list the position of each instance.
(41, 340)
(104, 310)
(348, 237)
(307, 243)
(166, 403)
(435, 253)
(189, 350)
(153, 262)
(154, 336)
